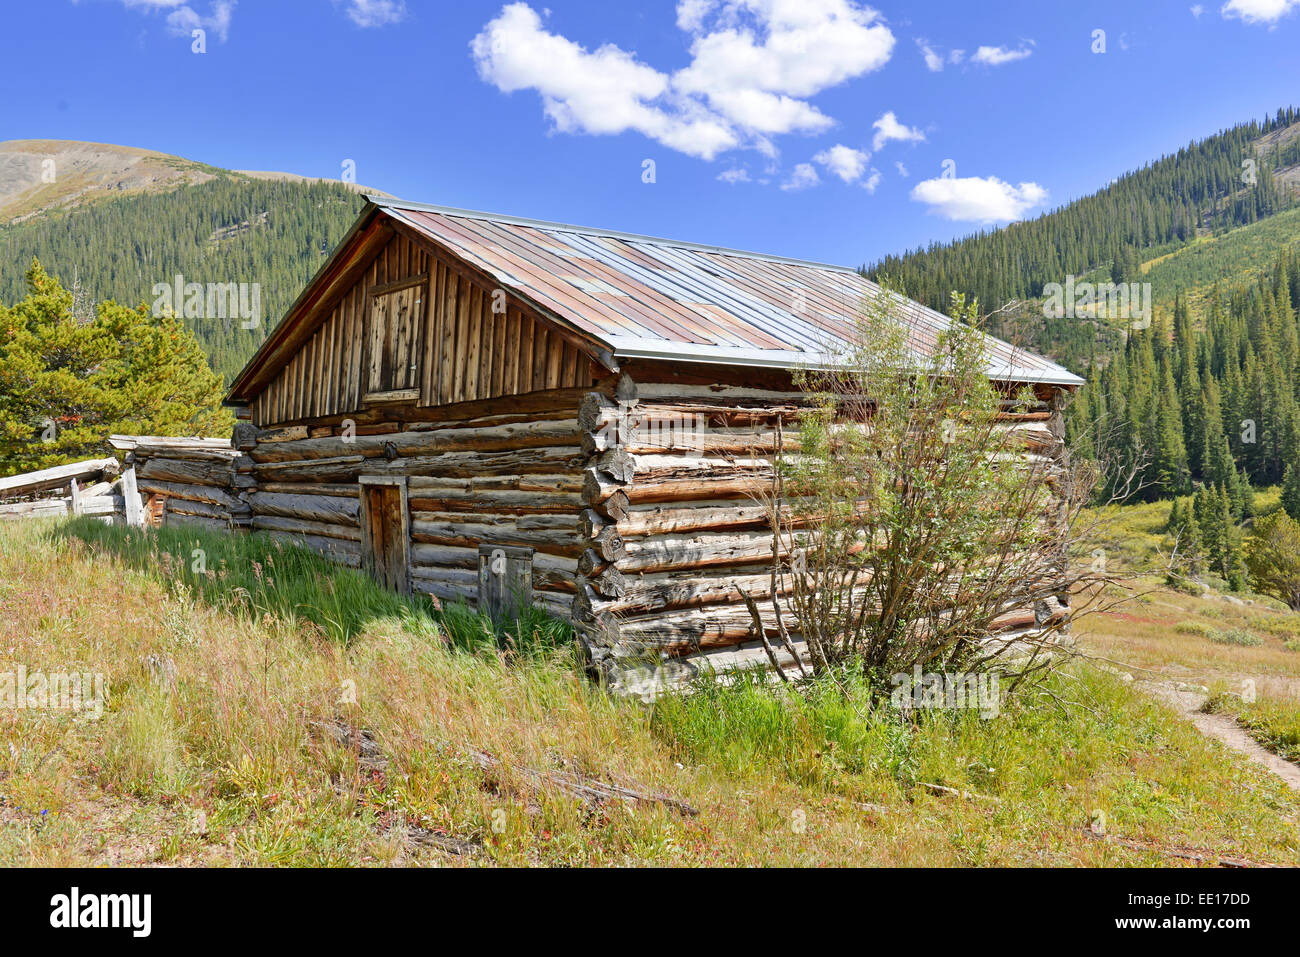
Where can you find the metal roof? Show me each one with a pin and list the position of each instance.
(653, 298)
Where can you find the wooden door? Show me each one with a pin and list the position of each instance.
(396, 316)
(386, 531)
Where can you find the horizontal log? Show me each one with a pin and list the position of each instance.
(472, 534)
(129, 443)
(432, 485)
(491, 500)
(496, 438)
(336, 549)
(186, 471)
(275, 523)
(666, 592)
(707, 550)
(314, 508)
(336, 490)
(181, 506)
(45, 508)
(57, 477)
(175, 519)
(194, 493)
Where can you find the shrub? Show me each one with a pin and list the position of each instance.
(1236, 636)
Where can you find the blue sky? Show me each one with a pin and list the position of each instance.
(818, 129)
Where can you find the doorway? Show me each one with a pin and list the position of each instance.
(386, 531)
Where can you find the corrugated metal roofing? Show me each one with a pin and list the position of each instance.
(656, 298)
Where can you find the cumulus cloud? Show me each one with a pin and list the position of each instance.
(804, 176)
(997, 56)
(1197, 10)
(1258, 11)
(734, 176)
(888, 128)
(980, 200)
(376, 13)
(872, 181)
(844, 161)
(754, 64)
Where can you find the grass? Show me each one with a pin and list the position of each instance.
(221, 758)
(258, 575)
(1271, 715)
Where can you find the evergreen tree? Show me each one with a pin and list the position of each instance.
(66, 384)
(1291, 491)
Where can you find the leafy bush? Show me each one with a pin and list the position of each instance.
(1236, 636)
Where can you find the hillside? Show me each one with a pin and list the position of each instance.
(453, 753)
(1183, 222)
(119, 221)
(40, 176)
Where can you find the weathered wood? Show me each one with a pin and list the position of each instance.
(324, 529)
(186, 472)
(210, 494)
(57, 477)
(314, 508)
(131, 500)
(505, 580)
(492, 438)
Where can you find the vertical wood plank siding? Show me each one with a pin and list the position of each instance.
(464, 343)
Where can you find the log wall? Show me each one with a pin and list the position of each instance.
(671, 531)
(504, 471)
(200, 482)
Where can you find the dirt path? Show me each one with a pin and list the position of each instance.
(1223, 729)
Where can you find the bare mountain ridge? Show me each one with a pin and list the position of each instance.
(38, 176)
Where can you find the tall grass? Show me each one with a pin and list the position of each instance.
(258, 575)
(241, 734)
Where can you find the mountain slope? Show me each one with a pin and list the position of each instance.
(1236, 178)
(39, 176)
(116, 222)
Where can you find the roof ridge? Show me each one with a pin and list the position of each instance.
(594, 231)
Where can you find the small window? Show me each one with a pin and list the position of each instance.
(396, 316)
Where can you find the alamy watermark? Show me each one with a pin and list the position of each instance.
(1130, 301)
(82, 692)
(213, 300)
(944, 691)
(685, 431)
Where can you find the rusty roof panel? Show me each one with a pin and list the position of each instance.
(655, 298)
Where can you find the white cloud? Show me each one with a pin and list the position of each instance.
(1197, 10)
(987, 200)
(872, 181)
(996, 56)
(902, 170)
(933, 60)
(1258, 11)
(184, 16)
(376, 13)
(804, 176)
(844, 161)
(754, 63)
(601, 92)
(734, 176)
(888, 128)
(183, 19)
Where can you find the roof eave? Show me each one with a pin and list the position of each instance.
(268, 344)
(787, 359)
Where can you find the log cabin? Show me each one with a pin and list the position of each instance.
(453, 384)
